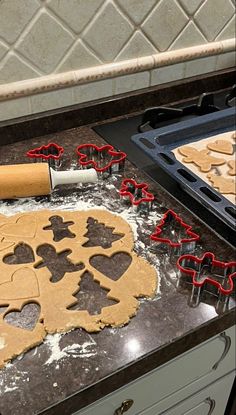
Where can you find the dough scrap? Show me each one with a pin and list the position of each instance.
(24, 284)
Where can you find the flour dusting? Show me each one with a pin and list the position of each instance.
(52, 341)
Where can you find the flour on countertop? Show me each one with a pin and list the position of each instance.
(52, 341)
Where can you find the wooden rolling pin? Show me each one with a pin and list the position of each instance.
(24, 180)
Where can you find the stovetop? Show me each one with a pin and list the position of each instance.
(119, 132)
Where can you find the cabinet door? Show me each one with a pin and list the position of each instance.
(209, 401)
(174, 381)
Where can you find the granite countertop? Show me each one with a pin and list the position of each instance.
(68, 372)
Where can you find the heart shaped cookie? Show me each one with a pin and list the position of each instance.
(24, 285)
(221, 146)
(26, 318)
(25, 226)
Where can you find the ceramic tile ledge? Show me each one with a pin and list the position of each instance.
(93, 74)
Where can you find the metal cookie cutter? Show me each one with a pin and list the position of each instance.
(136, 194)
(51, 153)
(206, 274)
(173, 226)
(105, 160)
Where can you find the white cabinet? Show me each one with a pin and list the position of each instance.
(174, 381)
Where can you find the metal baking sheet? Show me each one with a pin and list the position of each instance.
(158, 144)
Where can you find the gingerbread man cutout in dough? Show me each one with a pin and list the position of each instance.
(232, 165)
(225, 186)
(201, 158)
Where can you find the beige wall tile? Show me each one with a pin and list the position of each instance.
(51, 100)
(200, 66)
(76, 13)
(137, 10)
(136, 47)
(14, 108)
(190, 36)
(229, 30)
(165, 23)
(108, 33)
(3, 50)
(212, 17)
(190, 6)
(14, 16)
(226, 60)
(15, 69)
(93, 91)
(45, 43)
(131, 82)
(167, 74)
(78, 57)
(55, 36)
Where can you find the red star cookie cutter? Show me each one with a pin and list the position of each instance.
(225, 272)
(102, 159)
(51, 153)
(136, 193)
(187, 243)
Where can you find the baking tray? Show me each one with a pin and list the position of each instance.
(158, 144)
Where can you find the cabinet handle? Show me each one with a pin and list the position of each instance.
(125, 406)
(227, 341)
(212, 404)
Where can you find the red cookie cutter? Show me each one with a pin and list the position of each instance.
(51, 153)
(136, 193)
(192, 267)
(102, 159)
(187, 243)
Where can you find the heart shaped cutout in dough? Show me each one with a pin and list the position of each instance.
(24, 285)
(25, 226)
(26, 318)
(113, 267)
(221, 146)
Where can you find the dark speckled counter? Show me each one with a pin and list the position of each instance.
(94, 365)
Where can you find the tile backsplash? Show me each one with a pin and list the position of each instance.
(41, 37)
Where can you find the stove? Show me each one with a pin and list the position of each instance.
(119, 134)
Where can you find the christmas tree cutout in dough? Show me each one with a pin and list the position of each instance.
(91, 296)
(99, 234)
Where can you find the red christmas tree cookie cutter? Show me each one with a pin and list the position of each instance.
(51, 153)
(187, 243)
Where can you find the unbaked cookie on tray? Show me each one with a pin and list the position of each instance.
(213, 160)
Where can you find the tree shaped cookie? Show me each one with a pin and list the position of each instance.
(200, 158)
(225, 186)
